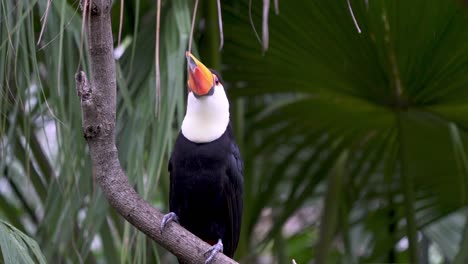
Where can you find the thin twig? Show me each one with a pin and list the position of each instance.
(158, 72)
(44, 21)
(354, 19)
(58, 33)
(277, 7)
(265, 15)
(121, 21)
(195, 8)
(60, 51)
(252, 23)
(220, 25)
(83, 24)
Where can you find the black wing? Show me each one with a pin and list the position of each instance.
(233, 190)
(172, 198)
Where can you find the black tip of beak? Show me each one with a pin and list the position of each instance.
(191, 63)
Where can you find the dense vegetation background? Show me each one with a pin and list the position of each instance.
(354, 143)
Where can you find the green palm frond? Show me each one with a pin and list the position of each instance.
(16, 247)
(390, 95)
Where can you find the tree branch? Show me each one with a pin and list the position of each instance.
(98, 103)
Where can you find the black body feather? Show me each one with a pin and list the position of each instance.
(206, 188)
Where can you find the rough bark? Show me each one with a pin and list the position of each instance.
(98, 103)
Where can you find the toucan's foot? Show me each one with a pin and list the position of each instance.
(167, 219)
(218, 247)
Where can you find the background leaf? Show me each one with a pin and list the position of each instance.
(392, 97)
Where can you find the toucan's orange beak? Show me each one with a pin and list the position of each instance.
(200, 78)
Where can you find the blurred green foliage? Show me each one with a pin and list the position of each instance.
(354, 143)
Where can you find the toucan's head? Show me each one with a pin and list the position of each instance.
(207, 115)
(201, 80)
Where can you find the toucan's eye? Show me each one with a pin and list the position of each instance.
(216, 81)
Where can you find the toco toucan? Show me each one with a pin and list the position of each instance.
(206, 170)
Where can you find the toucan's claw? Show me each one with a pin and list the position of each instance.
(167, 219)
(218, 247)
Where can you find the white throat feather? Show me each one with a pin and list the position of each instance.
(207, 117)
